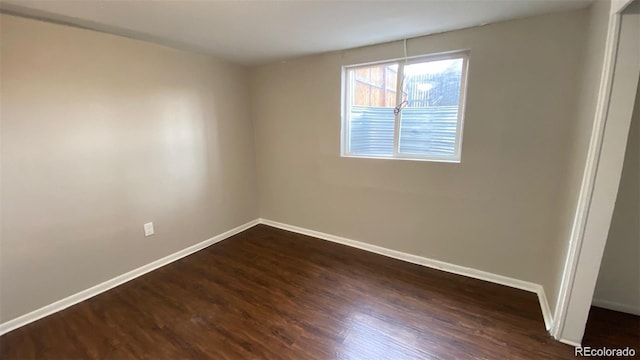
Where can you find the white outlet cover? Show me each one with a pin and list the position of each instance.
(148, 229)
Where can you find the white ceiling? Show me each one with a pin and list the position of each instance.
(254, 32)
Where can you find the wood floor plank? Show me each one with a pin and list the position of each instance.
(272, 294)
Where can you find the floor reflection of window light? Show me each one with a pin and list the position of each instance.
(373, 338)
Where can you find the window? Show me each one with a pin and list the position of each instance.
(407, 109)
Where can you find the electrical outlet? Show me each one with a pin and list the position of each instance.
(148, 229)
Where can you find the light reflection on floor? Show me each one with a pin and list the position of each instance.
(369, 336)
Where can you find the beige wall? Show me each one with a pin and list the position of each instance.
(592, 60)
(101, 134)
(618, 285)
(497, 211)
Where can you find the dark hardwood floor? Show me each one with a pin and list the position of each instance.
(612, 329)
(272, 294)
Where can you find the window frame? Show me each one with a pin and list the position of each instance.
(348, 88)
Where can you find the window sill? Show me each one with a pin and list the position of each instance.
(441, 160)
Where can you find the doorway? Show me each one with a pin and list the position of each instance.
(603, 172)
(614, 317)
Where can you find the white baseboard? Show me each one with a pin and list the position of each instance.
(610, 305)
(109, 284)
(431, 263)
(547, 315)
(615, 306)
(570, 342)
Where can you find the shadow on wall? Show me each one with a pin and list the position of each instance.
(101, 134)
(618, 286)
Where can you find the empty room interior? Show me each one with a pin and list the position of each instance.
(319, 179)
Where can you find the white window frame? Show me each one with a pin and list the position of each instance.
(347, 95)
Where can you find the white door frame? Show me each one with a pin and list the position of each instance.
(599, 185)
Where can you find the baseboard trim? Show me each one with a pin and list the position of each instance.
(118, 280)
(431, 263)
(570, 342)
(547, 315)
(615, 306)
